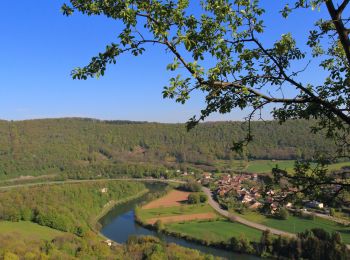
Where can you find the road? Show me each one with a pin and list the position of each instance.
(81, 181)
(241, 220)
(211, 201)
(334, 219)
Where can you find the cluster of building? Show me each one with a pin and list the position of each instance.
(233, 184)
(252, 197)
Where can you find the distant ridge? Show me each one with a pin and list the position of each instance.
(38, 146)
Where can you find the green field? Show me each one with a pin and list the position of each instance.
(26, 229)
(337, 166)
(262, 166)
(214, 231)
(296, 224)
(265, 166)
(145, 214)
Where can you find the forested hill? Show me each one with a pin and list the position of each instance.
(38, 145)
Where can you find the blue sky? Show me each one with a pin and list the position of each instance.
(39, 47)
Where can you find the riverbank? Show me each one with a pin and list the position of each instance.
(216, 232)
(119, 225)
(96, 226)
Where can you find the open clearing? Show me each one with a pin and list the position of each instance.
(28, 230)
(171, 219)
(265, 166)
(296, 224)
(168, 213)
(173, 198)
(199, 221)
(175, 211)
(214, 231)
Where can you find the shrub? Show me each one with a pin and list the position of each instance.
(241, 245)
(203, 198)
(27, 214)
(283, 214)
(159, 225)
(191, 186)
(80, 231)
(10, 256)
(241, 209)
(305, 215)
(193, 198)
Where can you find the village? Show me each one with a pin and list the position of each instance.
(247, 189)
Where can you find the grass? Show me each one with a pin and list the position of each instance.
(145, 214)
(29, 230)
(262, 166)
(296, 224)
(337, 166)
(214, 231)
(265, 166)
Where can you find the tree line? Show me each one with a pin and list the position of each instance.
(68, 246)
(66, 207)
(37, 147)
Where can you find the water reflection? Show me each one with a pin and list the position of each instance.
(119, 224)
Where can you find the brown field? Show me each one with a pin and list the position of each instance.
(181, 218)
(173, 198)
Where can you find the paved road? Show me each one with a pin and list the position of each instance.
(334, 219)
(81, 181)
(211, 201)
(243, 221)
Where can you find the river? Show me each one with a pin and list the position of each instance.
(119, 223)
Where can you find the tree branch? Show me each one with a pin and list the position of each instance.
(316, 99)
(339, 25)
(342, 7)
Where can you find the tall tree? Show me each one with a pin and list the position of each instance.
(244, 71)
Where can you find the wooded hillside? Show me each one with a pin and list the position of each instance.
(41, 146)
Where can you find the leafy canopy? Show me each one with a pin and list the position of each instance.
(243, 71)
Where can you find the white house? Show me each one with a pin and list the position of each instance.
(315, 204)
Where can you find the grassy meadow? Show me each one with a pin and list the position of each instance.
(265, 166)
(28, 230)
(145, 214)
(296, 224)
(214, 231)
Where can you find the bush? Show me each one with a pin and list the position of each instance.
(241, 245)
(10, 256)
(159, 225)
(27, 214)
(305, 215)
(203, 198)
(193, 198)
(283, 214)
(80, 231)
(191, 186)
(241, 209)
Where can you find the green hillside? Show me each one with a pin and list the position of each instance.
(77, 146)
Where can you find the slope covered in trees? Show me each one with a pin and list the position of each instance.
(36, 147)
(69, 207)
(71, 247)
